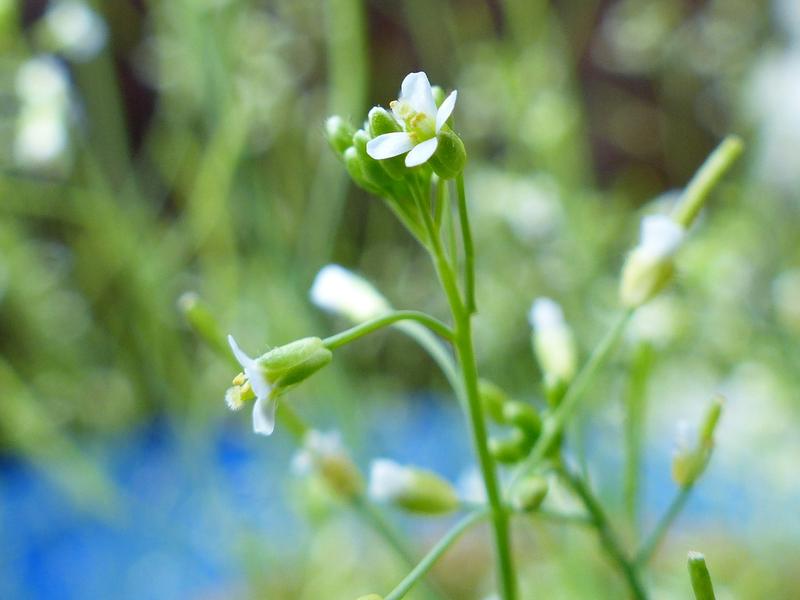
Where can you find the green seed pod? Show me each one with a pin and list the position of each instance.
(339, 133)
(643, 278)
(450, 156)
(529, 494)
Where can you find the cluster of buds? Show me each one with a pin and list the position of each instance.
(398, 148)
(265, 378)
(522, 418)
(691, 458)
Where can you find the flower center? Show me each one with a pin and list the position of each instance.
(418, 125)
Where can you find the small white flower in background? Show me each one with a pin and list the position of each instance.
(660, 237)
(649, 266)
(342, 292)
(416, 112)
(75, 29)
(42, 86)
(317, 445)
(388, 480)
(252, 382)
(552, 340)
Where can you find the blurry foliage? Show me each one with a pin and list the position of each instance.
(196, 161)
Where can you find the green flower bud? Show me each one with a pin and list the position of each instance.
(323, 453)
(554, 346)
(529, 493)
(701, 579)
(493, 399)
(450, 157)
(339, 133)
(438, 94)
(288, 365)
(415, 490)
(381, 121)
(523, 416)
(373, 170)
(511, 449)
(355, 167)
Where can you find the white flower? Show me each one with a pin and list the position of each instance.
(660, 237)
(553, 341)
(41, 137)
(255, 381)
(388, 480)
(77, 30)
(416, 112)
(317, 446)
(342, 292)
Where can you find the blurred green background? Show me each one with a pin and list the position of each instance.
(154, 148)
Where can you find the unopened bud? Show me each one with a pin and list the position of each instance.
(691, 459)
(382, 121)
(511, 449)
(553, 344)
(450, 157)
(412, 489)
(324, 453)
(373, 170)
(438, 94)
(339, 133)
(493, 399)
(649, 267)
(523, 416)
(529, 493)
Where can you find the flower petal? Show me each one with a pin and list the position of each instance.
(421, 152)
(264, 415)
(389, 145)
(445, 110)
(416, 90)
(243, 359)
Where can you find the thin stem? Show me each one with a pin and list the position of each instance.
(373, 517)
(362, 329)
(553, 426)
(635, 405)
(608, 538)
(469, 249)
(435, 553)
(704, 180)
(652, 542)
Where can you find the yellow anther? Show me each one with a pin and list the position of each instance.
(240, 379)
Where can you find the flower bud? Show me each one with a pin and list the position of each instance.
(523, 416)
(691, 460)
(701, 579)
(355, 167)
(493, 399)
(510, 449)
(438, 94)
(412, 489)
(288, 365)
(342, 292)
(529, 493)
(450, 157)
(382, 121)
(553, 345)
(339, 133)
(324, 454)
(649, 267)
(373, 170)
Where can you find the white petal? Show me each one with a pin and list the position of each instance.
(660, 236)
(243, 359)
(416, 90)
(264, 415)
(421, 152)
(338, 290)
(389, 145)
(258, 381)
(387, 479)
(545, 314)
(445, 110)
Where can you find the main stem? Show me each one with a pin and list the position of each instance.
(462, 342)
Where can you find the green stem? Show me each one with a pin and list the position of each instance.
(701, 580)
(652, 542)
(704, 180)
(635, 404)
(554, 426)
(435, 553)
(608, 538)
(469, 249)
(362, 329)
(373, 517)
